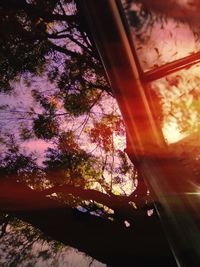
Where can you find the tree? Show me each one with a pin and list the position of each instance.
(76, 192)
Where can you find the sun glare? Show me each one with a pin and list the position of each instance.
(172, 133)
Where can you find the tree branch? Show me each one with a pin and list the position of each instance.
(81, 45)
(100, 238)
(63, 50)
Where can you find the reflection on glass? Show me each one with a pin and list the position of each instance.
(177, 98)
(159, 37)
(179, 95)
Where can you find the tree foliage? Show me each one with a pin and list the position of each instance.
(56, 94)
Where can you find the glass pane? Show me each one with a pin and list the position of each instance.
(176, 101)
(178, 98)
(159, 35)
(176, 104)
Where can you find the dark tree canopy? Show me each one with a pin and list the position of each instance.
(81, 188)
